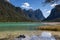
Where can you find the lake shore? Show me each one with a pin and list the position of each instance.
(14, 33)
(6, 34)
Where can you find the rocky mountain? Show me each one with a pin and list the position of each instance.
(10, 13)
(55, 14)
(38, 14)
(34, 14)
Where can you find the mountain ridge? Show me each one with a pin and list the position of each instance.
(10, 13)
(54, 15)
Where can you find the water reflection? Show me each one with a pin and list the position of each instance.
(43, 36)
(46, 36)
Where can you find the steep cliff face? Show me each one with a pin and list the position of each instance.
(55, 14)
(34, 14)
(38, 14)
(10, 13)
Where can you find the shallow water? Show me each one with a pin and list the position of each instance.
(46, 36)
(19, 25)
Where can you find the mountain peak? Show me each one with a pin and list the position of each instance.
(55, 14)
(10, 13)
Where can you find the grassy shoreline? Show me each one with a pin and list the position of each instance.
(49, 28)
(6, 34)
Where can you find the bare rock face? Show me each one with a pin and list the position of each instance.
(38, 14)
(34, 14)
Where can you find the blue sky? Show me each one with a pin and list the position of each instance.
(34, 4)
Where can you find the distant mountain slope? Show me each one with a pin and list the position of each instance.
(55, 14)
(34, 14)
(38, 14)
(10, 13)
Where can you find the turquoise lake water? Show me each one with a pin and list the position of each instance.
(19, 25)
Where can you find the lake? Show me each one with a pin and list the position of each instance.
(19, 25)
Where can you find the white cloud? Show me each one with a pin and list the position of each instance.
(26, 5)
(48, 11)
(53, 5)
